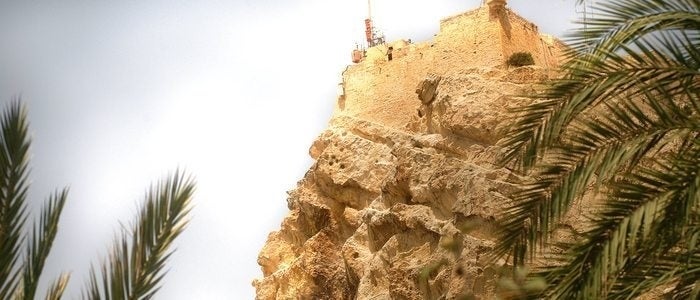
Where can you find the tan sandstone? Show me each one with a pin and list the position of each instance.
(406, 161)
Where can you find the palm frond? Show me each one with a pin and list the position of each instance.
(617, 62)
(40, 243)
(616, 23)
(597, 149)
(134, 269)
(14, 146)
(58, 287)
(648, 212)
(680, 266)
(630, 92)
(624, 120)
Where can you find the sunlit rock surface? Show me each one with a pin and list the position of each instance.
(407, 159)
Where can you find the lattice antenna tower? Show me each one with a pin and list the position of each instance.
(372, 35)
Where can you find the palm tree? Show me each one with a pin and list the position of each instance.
(134, 268)
(622, 123)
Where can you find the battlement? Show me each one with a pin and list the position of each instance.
(381, 91)
(465, 14)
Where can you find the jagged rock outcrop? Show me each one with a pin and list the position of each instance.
(374, 208)
(398, 173)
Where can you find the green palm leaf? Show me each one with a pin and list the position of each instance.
(624, 121)
(648, 213)
(646, 272)
(615, 104)
(57, 288)
(14, 146)
(40, 243)
(604, 69)
(135, 266)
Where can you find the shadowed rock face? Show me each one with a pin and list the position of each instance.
(386, 197)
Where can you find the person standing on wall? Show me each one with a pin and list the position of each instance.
(389, 53)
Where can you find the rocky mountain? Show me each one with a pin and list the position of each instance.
(408, 159)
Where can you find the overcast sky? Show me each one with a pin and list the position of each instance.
(122, 92)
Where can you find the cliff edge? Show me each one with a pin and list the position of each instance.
(407, 160)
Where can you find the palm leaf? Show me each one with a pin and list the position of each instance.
(135, 267)
(646, 272)
(625, 120)
(597, 149)
(599, 70)
(625, 95)
(648, 213)
(14, 146)
(40, 243)
(57, 288)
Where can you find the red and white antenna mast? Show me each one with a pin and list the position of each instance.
(369, 9)
(369, 30)
(373, 36)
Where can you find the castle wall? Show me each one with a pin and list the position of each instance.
(470, 39)
(382, 91)
(519, 35)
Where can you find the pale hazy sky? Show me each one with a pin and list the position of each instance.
(122, 92)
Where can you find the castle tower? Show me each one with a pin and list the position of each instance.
(496, 6)
(496, 3)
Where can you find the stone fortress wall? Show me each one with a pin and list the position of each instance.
(382, 91)
(518, 32)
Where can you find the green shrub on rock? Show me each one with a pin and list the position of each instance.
(519, 59)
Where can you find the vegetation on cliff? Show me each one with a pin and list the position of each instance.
(623, 124)
(520, 59)
(135, 266)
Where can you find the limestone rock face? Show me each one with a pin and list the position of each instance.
(381, 213)
(373, 210)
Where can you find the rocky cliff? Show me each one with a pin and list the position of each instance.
(407, 161)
